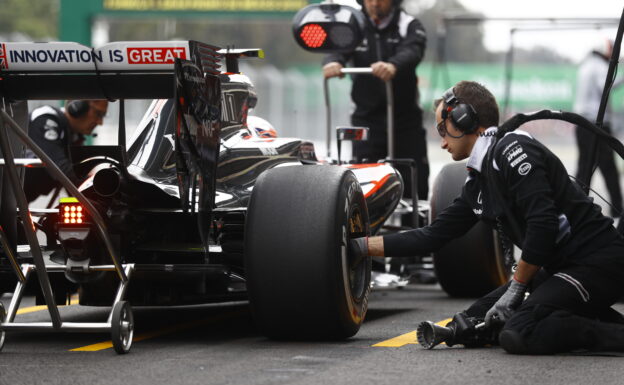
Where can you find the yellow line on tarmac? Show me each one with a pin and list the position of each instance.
(157, 333)
(405, 339)
(32, 309)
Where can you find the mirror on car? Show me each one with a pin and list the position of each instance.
(328, 28)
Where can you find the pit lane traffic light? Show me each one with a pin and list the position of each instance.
(328, 28)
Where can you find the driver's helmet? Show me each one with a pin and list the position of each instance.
(263, 128)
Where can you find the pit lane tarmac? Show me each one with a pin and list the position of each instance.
(220, 345)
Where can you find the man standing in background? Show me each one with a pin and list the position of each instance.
(590, 81)
(393, 45)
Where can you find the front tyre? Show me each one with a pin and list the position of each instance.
(302, 283)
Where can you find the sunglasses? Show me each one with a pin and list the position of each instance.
(442, 131)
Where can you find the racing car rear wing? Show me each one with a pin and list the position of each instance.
(120, 70)
(232, 55)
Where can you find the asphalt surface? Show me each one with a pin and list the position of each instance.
(220, 345)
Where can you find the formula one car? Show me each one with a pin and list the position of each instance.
(201, 207)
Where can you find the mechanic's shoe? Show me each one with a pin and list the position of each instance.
(512, 342)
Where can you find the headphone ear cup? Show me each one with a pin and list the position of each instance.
(464, 117)
(77, 108)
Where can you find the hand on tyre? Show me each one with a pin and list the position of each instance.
(506, 304)
(358, 248)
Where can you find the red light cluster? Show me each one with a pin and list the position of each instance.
(313, 35)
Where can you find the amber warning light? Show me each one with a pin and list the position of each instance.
(71, 212)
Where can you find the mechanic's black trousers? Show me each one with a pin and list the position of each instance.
(569, 310)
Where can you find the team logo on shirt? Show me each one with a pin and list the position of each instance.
(524, 168)
(363, 47)
(50, 130)
(518, 160)
(514, 152)
(509, 146)
(480, 203)
(51, 135)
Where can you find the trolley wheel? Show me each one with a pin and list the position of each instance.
(122, 327)
(2, 319)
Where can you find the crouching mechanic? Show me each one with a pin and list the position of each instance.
(572, 261)
(54, 131)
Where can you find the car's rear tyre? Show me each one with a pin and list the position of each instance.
(302, 283)
(474, 264)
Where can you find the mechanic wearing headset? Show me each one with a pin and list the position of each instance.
(572, 260)
(54, 130)
(393, 45)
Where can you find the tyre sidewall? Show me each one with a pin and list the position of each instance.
(354, 304)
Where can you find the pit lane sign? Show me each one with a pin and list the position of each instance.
(68, 56)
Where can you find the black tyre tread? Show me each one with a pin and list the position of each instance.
(291, 247)
(472, 265)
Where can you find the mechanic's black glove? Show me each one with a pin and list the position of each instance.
(358, 248)
(506, 304)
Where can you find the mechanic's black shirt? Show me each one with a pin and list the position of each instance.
(49, 129)
(402, 42)
(559, 222)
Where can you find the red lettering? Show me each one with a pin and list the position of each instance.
(134, 56)
(146, 56)
(154, 55)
